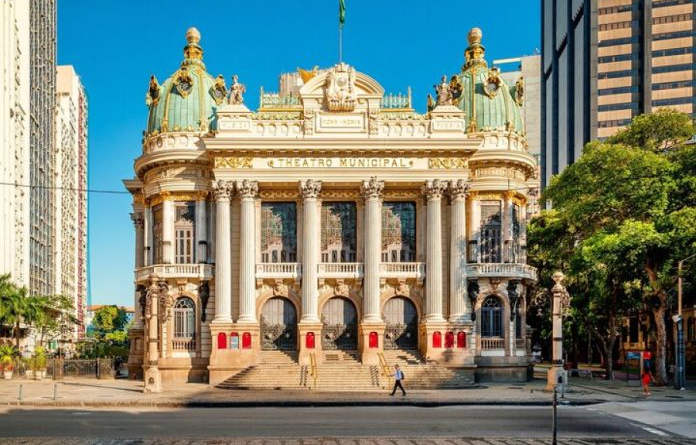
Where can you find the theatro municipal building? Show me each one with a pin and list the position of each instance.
(333, 232)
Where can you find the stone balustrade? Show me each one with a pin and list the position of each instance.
(341, 270)
(164, 271)
(279, 270)
(402, 270)
(502, 270)
(185, 344)
(487, 344)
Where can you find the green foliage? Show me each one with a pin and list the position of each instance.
(37, 361)
(622, 216)
(108, 319)
(7, 356)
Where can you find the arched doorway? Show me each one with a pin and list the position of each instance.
(278, 325)
(340, 325)
(401, 317)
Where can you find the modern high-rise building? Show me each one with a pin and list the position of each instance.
(42, 108)
(607, 61)
(70, 209)
(14, 140)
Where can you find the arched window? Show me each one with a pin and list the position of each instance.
(184, 318)
(491, 318)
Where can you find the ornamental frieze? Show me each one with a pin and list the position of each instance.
(447, 163)
(233, 162)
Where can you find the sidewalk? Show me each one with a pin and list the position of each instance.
(128, 393)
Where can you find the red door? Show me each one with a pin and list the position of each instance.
(437, 340)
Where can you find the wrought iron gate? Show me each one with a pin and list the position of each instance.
(340, 327)
(401, 331)
(278, 325)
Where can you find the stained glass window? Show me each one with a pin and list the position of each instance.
(398, 232)
(183, 231)
(278, 232)
(490, 232)
(338, 232)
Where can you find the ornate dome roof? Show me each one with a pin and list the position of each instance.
(489, 103)
(188, 99)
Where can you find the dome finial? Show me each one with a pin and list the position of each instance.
(475, 52)
(193, 51)
(193, 35)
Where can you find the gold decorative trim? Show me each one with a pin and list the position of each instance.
(448, 163)
(341, 194)
(269, 194)
(508, 194)
(233, 162)
(493, 79)
(138, 198)
(402, 194)
(490, 195)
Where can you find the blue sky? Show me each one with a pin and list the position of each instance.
(116, 44)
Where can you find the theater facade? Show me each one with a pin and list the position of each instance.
(333, 218)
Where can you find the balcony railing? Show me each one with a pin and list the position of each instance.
(341, 270)
(494, 270)
(184, 344)
(488, 344)
(279, 270)
(199, 271)
(402, 270)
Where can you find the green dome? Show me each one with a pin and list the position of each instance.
(188, 99)
(489, 104)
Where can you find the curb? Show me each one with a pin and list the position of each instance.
(300, 403)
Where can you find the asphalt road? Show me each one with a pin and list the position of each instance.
(460, 421)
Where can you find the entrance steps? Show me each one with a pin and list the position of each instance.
(342, 371)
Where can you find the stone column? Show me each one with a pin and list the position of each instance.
(147, 237)
(475, 226)
(433, 284)
(167, 229)
(138, 222)
(372, 192)
(460, 307)
(522, 242)
(311, 232)
(507, 227)
(201, 237)
(153, 379)
(223, 255)
(248, 191)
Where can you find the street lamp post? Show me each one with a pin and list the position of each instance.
(680, 377)
(557, 375)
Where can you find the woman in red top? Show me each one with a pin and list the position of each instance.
(646, 378)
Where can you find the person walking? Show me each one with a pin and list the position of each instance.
(398, 377)
(646, 378)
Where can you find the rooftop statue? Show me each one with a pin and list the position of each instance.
(237, 91)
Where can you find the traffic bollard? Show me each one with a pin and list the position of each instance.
(19, 396)
(555, 423)
(55, 391)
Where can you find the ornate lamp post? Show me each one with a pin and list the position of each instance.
(557, 376)
(680, 379)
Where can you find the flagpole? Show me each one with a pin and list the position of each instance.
(340, 44)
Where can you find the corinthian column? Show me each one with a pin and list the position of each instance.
(248, 191)
(201, 229)
(167, 228)
(223, 255)
(372, 192)
(433, 284)
(138, 222)
(147, 237)
(460, 309)
(311, 231)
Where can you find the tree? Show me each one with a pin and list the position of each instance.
(108, 319)
(627, 208)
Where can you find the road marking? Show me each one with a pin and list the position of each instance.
(654, 431)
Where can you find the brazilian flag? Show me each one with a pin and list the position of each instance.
(341, 13)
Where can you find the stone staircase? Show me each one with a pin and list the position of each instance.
(342, 371)
(276, 370)
(420, 375)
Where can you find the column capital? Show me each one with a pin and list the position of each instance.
(222, 190)
(310, 189)
(457, 189)
(247, 188)
(137, 219)
(473, 195)
(372, 188)
(508, 194)
(434, 189)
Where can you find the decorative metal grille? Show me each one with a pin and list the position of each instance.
(339, 336)
(399, 232)
(401, 336)
(278, 232)
(278, 336)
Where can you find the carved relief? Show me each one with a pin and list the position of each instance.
(434, 189)
(222, 189)
(204, 295)
(137, 219)
(153, 92)
(233, 162)
(183, 82)
(447, 163)
(310, 188)
(218, 91)
(372, 188)
(341, 288)
(280, 289)
(457, 189)
(247, 188)
(339, 92)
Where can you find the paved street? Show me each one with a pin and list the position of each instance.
(370, 422)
